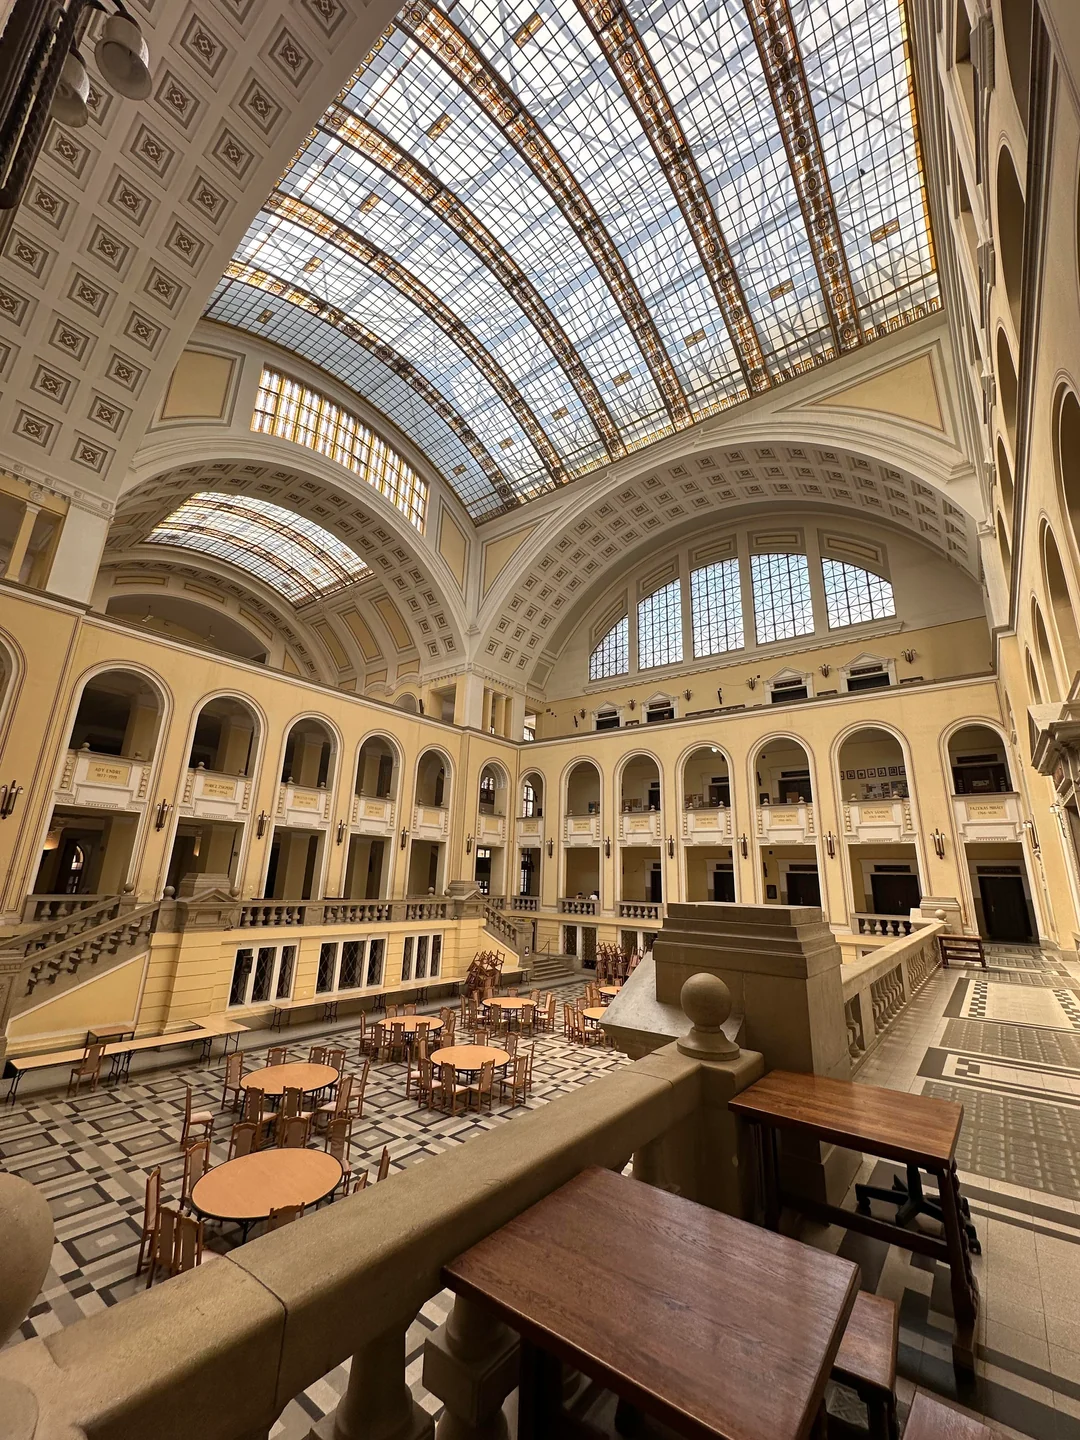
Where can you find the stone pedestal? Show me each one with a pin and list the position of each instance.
(783, 967)
(941, 907)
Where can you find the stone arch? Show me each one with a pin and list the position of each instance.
(1010, 232)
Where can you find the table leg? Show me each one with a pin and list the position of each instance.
(539, 1395)
(770, 1175)
(964, 1287)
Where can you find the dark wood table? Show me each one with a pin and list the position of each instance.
(893, 1124)
(712, 1326)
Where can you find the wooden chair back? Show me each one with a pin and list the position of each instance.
(359, 1086)
(339, 1138)
(487, 1077)
(344, 1094)
(317, 1055)
(292, 1102)
(234, 1073)
(283, 1215)
(294, 1131)
(392, 1010)
(89, 1067)
(277, 1055)
(196, 1164)
(409, 1009)
(151, 1206)
(360, 1183)
(336, 1059)
(425, 1078)
(189, 1244)
(384, 1164)
(244, 1138)
(254, 1100)
(510, 1044)
(481, 1036)
(163, 1243)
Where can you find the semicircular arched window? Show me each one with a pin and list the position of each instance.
(612, 655)
(853, 595)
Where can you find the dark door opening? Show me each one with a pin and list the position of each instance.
(588, 946)
(724, 884)
(803, 887)
(272, 869)
(894, 894)
(656, 885)
(1006, 915)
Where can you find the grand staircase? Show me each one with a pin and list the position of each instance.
(546, 970)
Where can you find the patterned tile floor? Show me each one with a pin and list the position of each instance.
(1004, 1042)
(90, 1156)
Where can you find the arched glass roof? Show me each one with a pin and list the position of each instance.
(539, 238)
(294, 556)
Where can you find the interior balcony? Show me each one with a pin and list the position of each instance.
(210, 795)
(109, 782)
(707, 825)
(786, 824)
(581, 829)
(303, 805)
(373, 815)
(430, 822)
(878, 821)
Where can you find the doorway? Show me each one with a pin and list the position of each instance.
(723, 886)
(803, 887)
(895, 893)
(1006, 914)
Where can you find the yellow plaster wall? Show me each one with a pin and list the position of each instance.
(105, 999)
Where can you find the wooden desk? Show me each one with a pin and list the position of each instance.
(110, 1034)
(914, 1129)
(248, 1188)
(329, 1005)
(712, 1326)
(276, 1079)
(470, 1059)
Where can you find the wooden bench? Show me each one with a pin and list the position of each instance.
(866, 1361)
(965, 949)
(200, 1032)
(930, 1419)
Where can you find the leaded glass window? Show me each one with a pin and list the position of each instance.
(716, 609)
(295, 412)
(324, 980)
(612, 655)
(853, 595)
(285, 973)
(782, 603)
(375, 956)
(352, 959)
(659, 619)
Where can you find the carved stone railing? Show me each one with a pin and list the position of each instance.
(578, 907)
(40, 909)
(867, 923)
(346, 1282)
(528, 903)
(501, 925)
(879, 986)
(60, 917)
(271, 914)
(639, 910)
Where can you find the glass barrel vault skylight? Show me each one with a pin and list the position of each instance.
(294, 556)
(482, 236)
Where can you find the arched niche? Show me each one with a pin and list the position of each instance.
(1005, 479)
(1067, 456)
(1016, 36)
(1060, 601)
(639, 785)
(432, 780)
(491, 796)
(1010, 232)
(226, 737)
(119, 713)
(583, 789)
(1006, 386)
(408, 703)
(186, 620)
(1004, 549)
(706, 779)
(1034, 688)
(532, 796)
(1046, 654)
(872, 766)
(979, 761)
(782, 773)
(309, 754)
(377, 769)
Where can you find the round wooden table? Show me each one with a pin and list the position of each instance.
(469, 1059)
(276, 1079)
(248, 1188)
(595, 1013)
(413, 1023)
(508, 1002)
(609, 991)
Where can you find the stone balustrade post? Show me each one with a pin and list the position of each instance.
(377, 1404)
(471, 1364)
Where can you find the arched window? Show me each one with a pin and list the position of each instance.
(1010, 237)
(659, 619)
(1033, 679)
(1016, 32)
(612, 655)
(716, 609)
(1046, 656)
(1006, 385)
(1067, 456)
(782, 604)
(853, 595)
(528, 800)
(1061, 606)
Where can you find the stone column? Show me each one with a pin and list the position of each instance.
(471, 1364)
(22, 541)
(78, 553)
(377, 1404)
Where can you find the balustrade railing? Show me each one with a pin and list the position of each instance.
(639, 910)
(880, 985)
(578, 907)
(525, 902)
(868, 923)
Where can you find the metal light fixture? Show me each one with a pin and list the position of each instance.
(632, 704)
(468, 845)
(260, 823)
(830, 844)
(824, 669)
(909, 656)
(10, 795)
(671, 847)
(550, 848)
(1029, 826)
(719, 697)
(607, 847)
(939, 844)
(752, 682)
(161, 815)
(688, 694)
(340, 831)
(404, 838)
(69, 103)
(122, 56)
(743, 846)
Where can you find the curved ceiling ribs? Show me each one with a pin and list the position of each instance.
(429, 27)
(315, 222)
(778, 47)
(624, 51)
(353, 130)
(241, 271)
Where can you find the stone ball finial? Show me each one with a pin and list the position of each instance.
(940, 915)
(169, 892)
(27, 1226)
(706, 1002)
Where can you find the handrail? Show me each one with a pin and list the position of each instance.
(45, 965)
(65, 925)
(285, 1309)
(877, 987)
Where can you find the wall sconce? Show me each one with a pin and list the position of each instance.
(468, 845)
(631, 705)
(161, 814)
(11, 794)
(575, 722)
(581, 712)
(1029, 826)
(607, 847)
(420, 706)
(550, 848)
(671, 847)
(260, 824)
(939, 844)
(340, 831)
(824, 669)
(830, 845)
(743, 848)
(404, 839)
(719, 697)
(688, 694)
(752, 682)
(909, 656)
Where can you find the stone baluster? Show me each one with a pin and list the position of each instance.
(377, 1404)
(471, 1364)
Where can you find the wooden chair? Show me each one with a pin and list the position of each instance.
(932, 1419)
(384, 1164)
(336, 1059)
(196, 1164)
(255, 1113)
(510, 1044)
(392, 1010)
(234, 1071)
(481, 1036)
(163, 1244)
(244, 1139)
(425, 1083)
(568, 1021)
(360, 1183)
(194, 1120)
(399, 1045)
(283, 1215)
(482, 1089)
(409, 1009)
(317, 1055)
(866, 1361)
(189, 1244)
(88, 1068)
(339, 1141)
(531, 1058)
(549, 1018)
(151, 1205)
(448, 1032)
(359, 1086)
(363, 1040)
(293, 1132)
(278, 1055)
(517, 1081)
(340, 1103)
(292, 1104)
